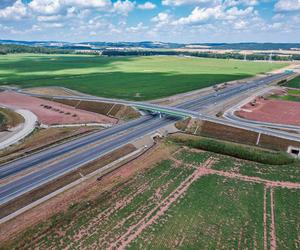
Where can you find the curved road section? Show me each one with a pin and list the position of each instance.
(25, 129)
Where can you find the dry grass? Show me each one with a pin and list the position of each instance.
(12, 119)
(113, 110)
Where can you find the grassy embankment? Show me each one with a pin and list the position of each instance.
(9, 118)
(134, 78)
(292, 95)
(294, 83)
(237, 150)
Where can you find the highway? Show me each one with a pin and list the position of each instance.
(36, 179)
(51, 153)
(114, 138)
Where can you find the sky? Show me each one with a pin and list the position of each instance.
(181, 21)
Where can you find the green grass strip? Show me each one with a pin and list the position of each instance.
(238, 151)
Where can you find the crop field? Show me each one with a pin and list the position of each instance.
(186, 202)
(295, 83)
(134, 78)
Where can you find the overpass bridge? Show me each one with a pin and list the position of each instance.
(170, 111)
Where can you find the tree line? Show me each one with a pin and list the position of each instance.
(14, 49)
(251, 57)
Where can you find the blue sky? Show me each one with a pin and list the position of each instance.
(187, 21)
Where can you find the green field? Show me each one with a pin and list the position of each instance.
(295, 83)
(214, 212)
(134, 78)
(288, 218)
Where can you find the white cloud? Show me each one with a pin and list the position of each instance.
(53, 25)
(50, 7)
(235, 13)
(17, 11)
(200, 15)
(162, 17)
(123, 7)
(46, 7)
(287, 5)
(49, 18)
(183, 2)
(240, 25)
(278, 16)
(87, 3)
(147, 6)
(138, 28)
(239, 2)
(250, 2)
(219, 12)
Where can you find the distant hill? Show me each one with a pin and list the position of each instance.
(153, 45)
(251, 46)
(95, 45)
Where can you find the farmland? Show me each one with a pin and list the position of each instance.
(295, 83)
(192, 200)
(134, 78)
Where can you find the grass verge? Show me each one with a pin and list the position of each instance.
(294, 83)
(9, 118)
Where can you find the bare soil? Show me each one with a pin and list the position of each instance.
(112, 110)
(52, 113)
(274, 111)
